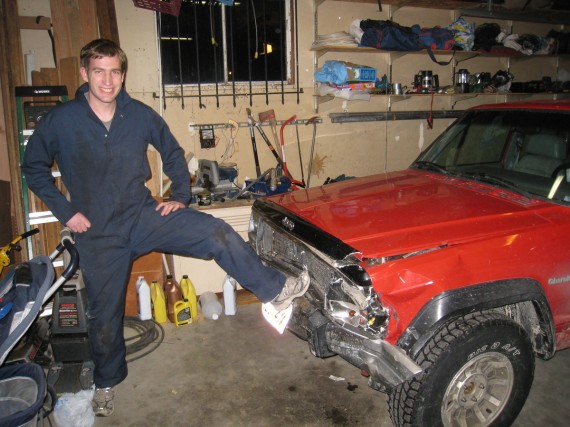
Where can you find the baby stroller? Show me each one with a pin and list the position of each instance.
(25, 398)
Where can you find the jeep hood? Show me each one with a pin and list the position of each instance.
(411, 210)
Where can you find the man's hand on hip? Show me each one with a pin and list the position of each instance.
(78, 223)
(168, 207)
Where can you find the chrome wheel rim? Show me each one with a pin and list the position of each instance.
(478, 393)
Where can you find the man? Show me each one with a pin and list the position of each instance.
(99, 141)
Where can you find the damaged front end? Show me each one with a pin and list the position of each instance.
(340, 314)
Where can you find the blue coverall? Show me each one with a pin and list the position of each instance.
(105, 173)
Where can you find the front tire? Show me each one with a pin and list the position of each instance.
(477, 371)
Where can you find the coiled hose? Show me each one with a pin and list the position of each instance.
(148, 336)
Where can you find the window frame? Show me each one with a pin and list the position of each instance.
(239, 88)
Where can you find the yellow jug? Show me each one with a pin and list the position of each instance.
(189, 293)
(182, 312)
(158, 302)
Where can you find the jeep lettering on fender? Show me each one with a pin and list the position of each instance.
(443, 282)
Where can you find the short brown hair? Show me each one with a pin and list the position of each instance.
(100, 48)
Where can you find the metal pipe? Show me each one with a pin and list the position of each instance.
(264, 51)
(283, 48)
(297, 51)
(230, 94)
(393, 115)
(180, 62)
(163, 95)
(215, 49)
(197, 57)
(232, 56)
(249, 54)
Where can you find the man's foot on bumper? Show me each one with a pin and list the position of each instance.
(294, 288)
(102, 403)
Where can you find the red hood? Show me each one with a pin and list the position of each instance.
(410, 210)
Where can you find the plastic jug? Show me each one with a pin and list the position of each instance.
(144, 301)
(182, 313)
(158, 302)
(230, 296)
(173, 295)
(210, 306)
(189, 293)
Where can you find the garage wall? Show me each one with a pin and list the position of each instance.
(353, 149)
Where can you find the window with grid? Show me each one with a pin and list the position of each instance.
(245, 46)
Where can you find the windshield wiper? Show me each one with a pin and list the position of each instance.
(423, 164)
(501, 182)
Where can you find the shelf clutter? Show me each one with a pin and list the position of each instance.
(459, 40)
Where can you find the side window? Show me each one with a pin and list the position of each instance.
(484, 141)
(444, 150)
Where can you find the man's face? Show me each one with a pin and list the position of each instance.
(104, 77)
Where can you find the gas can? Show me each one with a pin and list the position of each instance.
(158, 302)
(182, 313)
(189, 293)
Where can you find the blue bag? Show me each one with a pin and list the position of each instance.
(388, 35)
(436, 38)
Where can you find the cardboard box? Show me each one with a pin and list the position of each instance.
(360, 73)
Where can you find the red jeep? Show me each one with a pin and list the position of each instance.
(444, 281)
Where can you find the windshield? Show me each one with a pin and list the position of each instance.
(524, 151)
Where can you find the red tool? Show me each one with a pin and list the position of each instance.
(285, 170)
(255, 124)
(269, 117)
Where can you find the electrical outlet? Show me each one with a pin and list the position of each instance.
(207, 137)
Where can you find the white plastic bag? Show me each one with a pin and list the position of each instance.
(74, 410)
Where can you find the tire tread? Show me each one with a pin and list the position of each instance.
(401, 401)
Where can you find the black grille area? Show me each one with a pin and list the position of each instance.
(281, 249)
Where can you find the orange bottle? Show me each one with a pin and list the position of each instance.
(173, 295)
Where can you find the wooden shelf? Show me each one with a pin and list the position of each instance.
(505, 52)
(476, 9)
(450, 58)
(430, 4)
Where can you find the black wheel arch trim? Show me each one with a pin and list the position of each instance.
(484, 296)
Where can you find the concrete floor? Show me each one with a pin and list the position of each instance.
(238, 371)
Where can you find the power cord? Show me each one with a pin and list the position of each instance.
(231, 144)
(149, 335)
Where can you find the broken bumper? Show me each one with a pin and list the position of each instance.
(386, 364)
